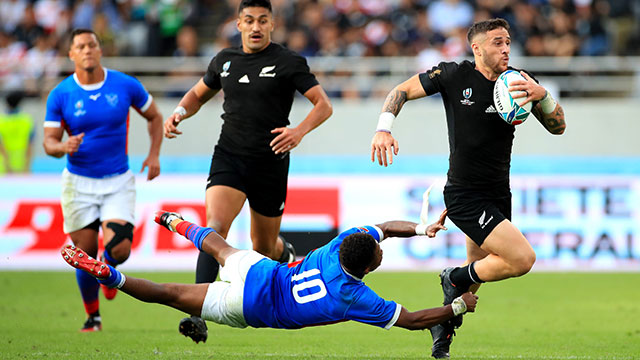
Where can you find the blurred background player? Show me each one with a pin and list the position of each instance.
(16, 137)
(98, 189)
(251, 159)
(323, 288)
(477, 193)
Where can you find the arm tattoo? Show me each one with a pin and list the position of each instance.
(394, 101)
(553, 122)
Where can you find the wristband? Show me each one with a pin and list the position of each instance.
(180, 111)
(547, 103)
(458, 306)
(421, 229)
(385, 122)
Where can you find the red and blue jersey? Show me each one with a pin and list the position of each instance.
(317, 291)
(101, 112)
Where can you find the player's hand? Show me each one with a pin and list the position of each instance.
(437, 226)
(287, 139)
(471, 300)
(73, 143)
(171, 126)
(154, 167)
(530, 90)
(383, 146)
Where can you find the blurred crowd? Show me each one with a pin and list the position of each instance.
(34, 32)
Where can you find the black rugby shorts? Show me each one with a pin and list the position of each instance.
(263, 180)
(477, 211)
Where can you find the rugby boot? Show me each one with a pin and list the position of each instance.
(442, 335)
(195, 328)
(164, 218)
(79, 259)
(92, 324)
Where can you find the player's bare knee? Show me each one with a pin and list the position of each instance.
(218, 226)
(524, 264)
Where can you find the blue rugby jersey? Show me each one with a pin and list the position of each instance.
(101, 111)
(317, 291)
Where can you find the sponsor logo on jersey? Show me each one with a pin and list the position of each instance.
(244, 79)
(491, 109)
(225, 69)
(482, 222)
(434, 73)
(95, 97)
(467, 95)
(112, 99)
(362, 229)
(79, 111)
(265, 71)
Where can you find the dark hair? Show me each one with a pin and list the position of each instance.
(255, 3)
(77, 32)
(482, 27)
(357, 252)
(14, 98)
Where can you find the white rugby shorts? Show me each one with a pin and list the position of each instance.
(86, 199)
(223, 302)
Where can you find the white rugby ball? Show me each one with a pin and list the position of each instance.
(508, 107)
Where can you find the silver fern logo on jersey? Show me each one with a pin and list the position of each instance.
(466, 93)
(225, 69)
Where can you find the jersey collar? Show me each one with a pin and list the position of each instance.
(91, 87)
(346, 272)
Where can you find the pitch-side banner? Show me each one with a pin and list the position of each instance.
(576, 223)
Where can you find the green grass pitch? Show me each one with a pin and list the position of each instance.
(538, 316)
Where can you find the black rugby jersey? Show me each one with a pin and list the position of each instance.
(480, 141)
(258, 94)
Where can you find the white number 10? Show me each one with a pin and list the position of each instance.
(322, 290)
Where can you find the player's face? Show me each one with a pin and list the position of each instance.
(85, 52)
(255, 25)
(495, 48)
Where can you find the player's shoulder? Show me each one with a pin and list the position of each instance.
(285, 53)
(119, 76)
(67, 85)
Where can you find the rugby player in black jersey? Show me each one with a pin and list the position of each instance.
(251, 159)
(477, 193)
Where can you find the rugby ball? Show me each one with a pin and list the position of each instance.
(508, 107)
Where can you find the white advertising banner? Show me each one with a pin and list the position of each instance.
(574, 223)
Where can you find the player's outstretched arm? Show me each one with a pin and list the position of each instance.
(154, 127)
(427, 318)
(190, 103)
(289, 138)
(383, 144)
(398, 228)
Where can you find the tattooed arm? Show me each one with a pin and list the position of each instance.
(553, 122)
(383, 145)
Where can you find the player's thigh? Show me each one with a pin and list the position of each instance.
(507, 242)
(223, 304)
(80, 207)
(120, 202)
(264, 232)
(187, 297)
(223, 203)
